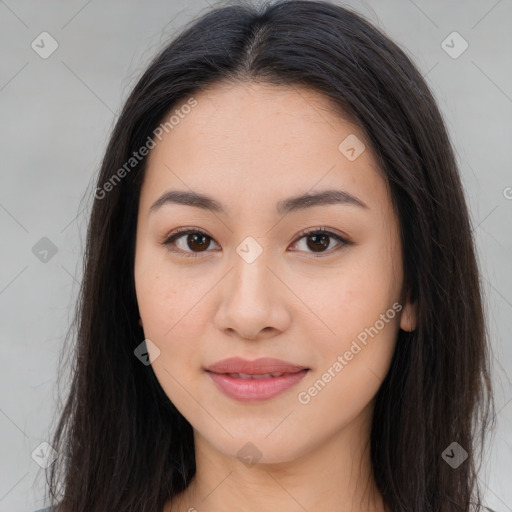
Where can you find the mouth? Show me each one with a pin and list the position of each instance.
(247, 388)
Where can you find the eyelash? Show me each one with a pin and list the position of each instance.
(175, 235)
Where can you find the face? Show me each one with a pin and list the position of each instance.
(314, 283)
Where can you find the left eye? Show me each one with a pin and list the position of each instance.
(318, 240)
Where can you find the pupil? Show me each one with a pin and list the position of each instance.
(323, 244)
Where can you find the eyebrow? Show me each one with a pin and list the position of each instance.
(292, 204)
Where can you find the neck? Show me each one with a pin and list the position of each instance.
(335, 475)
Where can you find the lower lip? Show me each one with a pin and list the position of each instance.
(255, 390)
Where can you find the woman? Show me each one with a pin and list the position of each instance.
(281, 303)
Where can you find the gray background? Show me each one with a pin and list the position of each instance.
(57, 113)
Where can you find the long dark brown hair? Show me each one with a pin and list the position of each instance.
(122, 444)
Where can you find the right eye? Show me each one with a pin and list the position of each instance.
(195, 239)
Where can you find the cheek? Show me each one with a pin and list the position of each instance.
(355, 359)
(355, 298)
(166, 297)
(365, 328)
(172, 313)
(174, 320)
(170, 309)
(358, 306)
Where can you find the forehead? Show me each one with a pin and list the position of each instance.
(258, 142)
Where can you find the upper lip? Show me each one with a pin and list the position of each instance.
(255, 367)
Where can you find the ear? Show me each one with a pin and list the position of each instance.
(409, 317)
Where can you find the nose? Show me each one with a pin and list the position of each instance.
(252, 301)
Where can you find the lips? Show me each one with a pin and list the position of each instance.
(264, 367)
(254, 381)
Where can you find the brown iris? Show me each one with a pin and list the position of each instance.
(198, 242)
(321, 241)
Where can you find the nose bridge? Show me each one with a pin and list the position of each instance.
(251, 277)
(249, 302)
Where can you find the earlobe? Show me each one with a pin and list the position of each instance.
(409, 316)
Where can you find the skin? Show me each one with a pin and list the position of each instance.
(249, 146)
